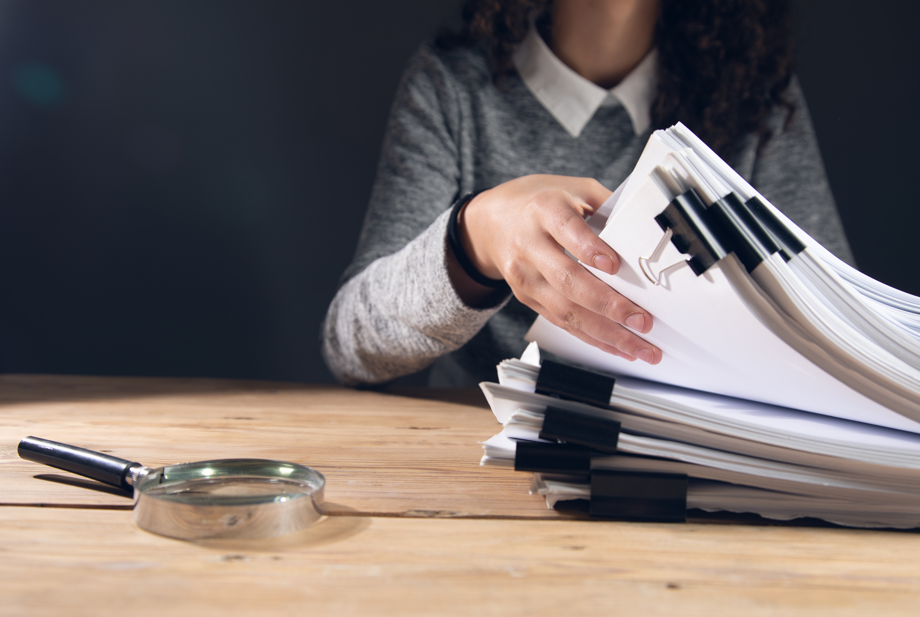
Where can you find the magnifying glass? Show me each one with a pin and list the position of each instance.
(227, 498)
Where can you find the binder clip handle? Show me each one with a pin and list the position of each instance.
(645, 262)
(686, 225)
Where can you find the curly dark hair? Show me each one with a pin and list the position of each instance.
(723, 65)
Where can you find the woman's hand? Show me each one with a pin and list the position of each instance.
(519, 231)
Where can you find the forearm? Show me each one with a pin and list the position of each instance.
(399, 314)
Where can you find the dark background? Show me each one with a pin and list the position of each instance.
(182, 183)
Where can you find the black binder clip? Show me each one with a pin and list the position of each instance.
(740, 232)
(575, 384)
(685, 224)
(558, 458)
(789, 244)
(710, 233)
(639, 496)
(580, 428)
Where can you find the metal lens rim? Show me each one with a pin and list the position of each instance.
(299, 481)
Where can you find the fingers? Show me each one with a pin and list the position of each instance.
(587, 190)
(575, 283)
(584, 306)
(590, 328)
(571, 232)
(573, 317)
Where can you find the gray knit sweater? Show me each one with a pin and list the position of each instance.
(452, 131)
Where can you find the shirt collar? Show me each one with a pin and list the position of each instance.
(572, 99)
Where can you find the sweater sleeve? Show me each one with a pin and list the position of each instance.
(397, 311)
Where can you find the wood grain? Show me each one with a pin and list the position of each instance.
(417, 527)
(89, 562)
(382, 454)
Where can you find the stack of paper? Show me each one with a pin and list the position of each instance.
(790, 382)
(773, 461)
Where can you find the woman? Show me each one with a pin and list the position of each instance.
(540, 108)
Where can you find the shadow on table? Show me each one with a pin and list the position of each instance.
(472, 397)
(51, 388)
(85, 483)
(577, 509)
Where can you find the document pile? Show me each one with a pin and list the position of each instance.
(789, 385)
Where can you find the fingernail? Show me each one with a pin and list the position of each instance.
(636, 321)
(646, 355)
(604, 263)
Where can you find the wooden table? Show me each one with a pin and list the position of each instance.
(414, 525)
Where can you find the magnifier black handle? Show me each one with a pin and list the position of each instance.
(102, 467)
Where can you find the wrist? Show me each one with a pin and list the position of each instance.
(472, 263)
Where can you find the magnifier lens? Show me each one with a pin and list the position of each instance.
(233, 498)
(232, 481)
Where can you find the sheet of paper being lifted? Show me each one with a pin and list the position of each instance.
(712, 337)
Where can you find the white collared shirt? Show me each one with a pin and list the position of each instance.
(572, 99)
